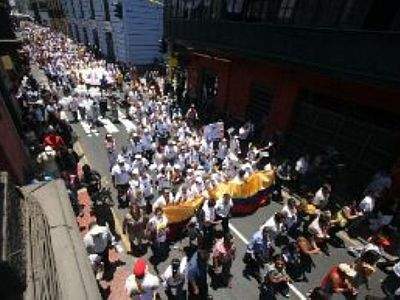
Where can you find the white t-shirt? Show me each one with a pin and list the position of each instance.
(209, 212)
(121, 174)
(291, 216)
(367, 204)
(223, 209)
(161, 201)
(97, 239)
(302, 165)
(274, 227)
(320, 200)
(150, 284)
(159, 224)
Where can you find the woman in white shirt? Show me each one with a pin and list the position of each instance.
(289, 210)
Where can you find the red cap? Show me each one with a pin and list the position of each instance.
(139, 268)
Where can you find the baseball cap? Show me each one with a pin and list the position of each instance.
(139, 268)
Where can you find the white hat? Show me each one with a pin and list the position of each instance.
(138, 156)
(120, 159)
(199, 179)
(347, 269)
(48, 149)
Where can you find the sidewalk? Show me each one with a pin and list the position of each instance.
(112, 285)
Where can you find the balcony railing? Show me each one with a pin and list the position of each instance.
(364, 54)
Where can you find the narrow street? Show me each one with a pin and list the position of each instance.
(92, 145)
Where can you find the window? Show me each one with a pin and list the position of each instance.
(259, 106)
(286, 9)
(257, 10)
(81, 9)
(96, 38)
(209, 87)
(92, 14)
(110, 46)
(73, 8)
(85, 36)
(381, 14)
(77, 34)
(106, 10)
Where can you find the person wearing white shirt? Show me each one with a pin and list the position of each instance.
(198, 187)
(302, 165)
(98, 240)
(275, 225)
(367, 204)
(165, 199)
(222, 151)
(289, 210)
(223, 208)
(321, 198)
(158, 227)
(209, 221)
(120, 176)
(141, 284)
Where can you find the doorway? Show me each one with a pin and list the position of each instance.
(381, 14)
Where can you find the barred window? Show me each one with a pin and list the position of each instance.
(286, 9)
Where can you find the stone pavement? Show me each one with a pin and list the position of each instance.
(112, 285)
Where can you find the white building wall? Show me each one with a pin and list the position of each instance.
(143, 23)
(135, 37)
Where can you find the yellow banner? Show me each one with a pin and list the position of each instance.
(239, 190)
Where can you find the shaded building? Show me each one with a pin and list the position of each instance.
(13, 154)
(324, 73)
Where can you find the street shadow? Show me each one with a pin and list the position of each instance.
(109, 273)
(138, 251)
(104, 292)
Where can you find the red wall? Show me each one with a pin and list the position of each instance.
(237, 75)
(13, 157)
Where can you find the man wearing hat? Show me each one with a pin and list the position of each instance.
(141, 284)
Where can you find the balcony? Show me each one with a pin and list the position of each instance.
(359, 54)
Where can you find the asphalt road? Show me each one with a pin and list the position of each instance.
(93, 147)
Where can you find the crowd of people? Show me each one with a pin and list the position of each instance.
(170, 158)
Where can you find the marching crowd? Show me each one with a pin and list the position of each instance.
(171, 158)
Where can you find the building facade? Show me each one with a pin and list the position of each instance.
(124, 30)
(13, 155)
(324, 73)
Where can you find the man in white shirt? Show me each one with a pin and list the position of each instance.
(321, 198)
(120, 176)
(223, 211)
(302, 165)
(209, 221)
(275, 225)
(141, 284)
(98, 240)
(158, 227)
(367, 204)
(165, 199)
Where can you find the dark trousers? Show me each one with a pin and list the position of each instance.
(203, 291)
(208, 236)
(122, 189)
(224, 223)
(105, 258)
(103, 108)
(74, 116)
(82, 112)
